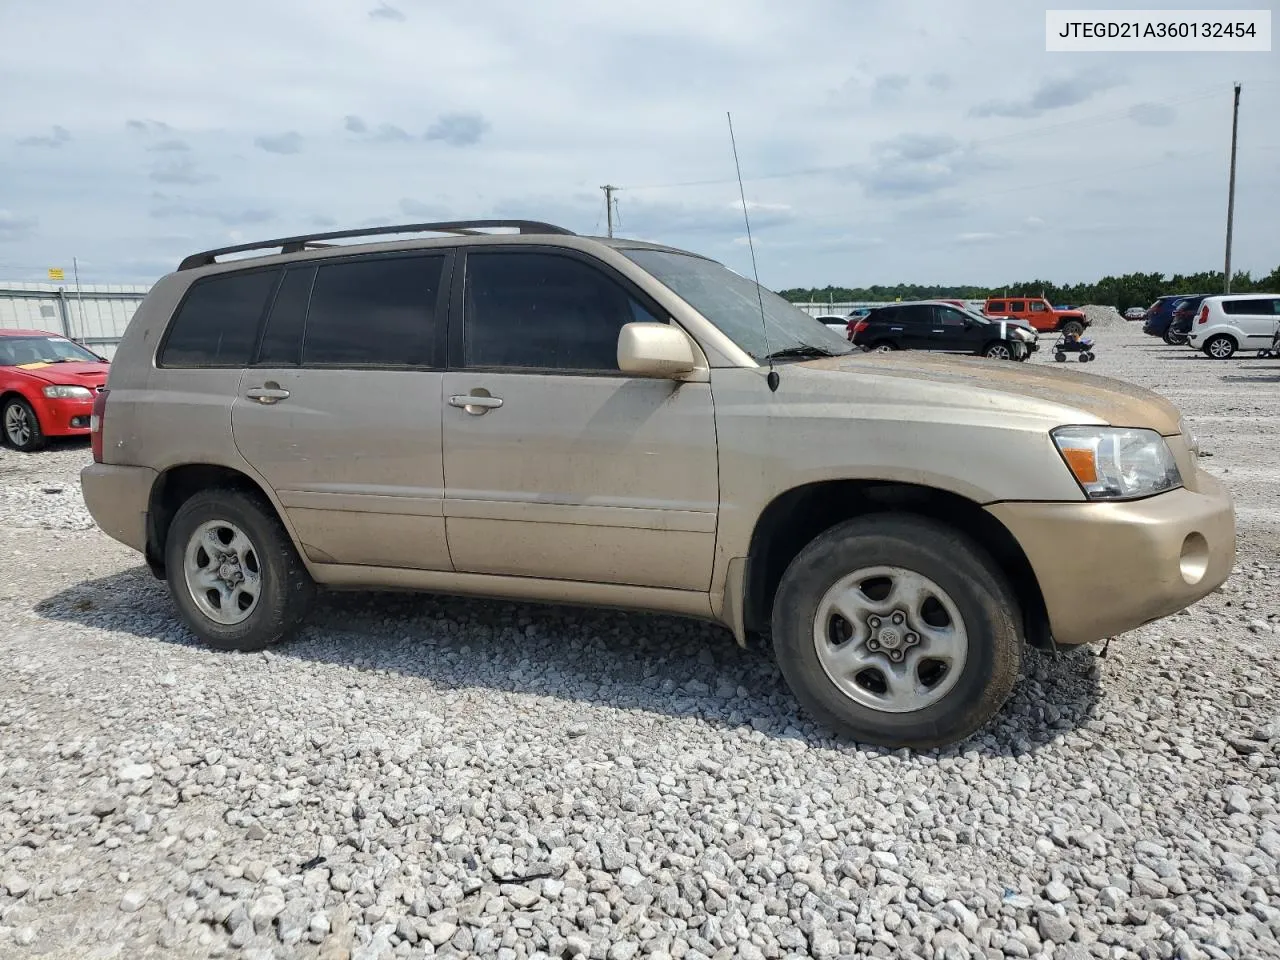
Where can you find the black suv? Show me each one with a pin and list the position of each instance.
(941, 326)
(1184, 312)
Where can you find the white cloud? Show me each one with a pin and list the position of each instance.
(859, 167)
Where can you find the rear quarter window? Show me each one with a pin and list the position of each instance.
(216, 325)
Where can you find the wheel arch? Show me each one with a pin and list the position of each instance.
(177, 484)
(794, 518)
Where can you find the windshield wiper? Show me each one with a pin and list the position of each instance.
(801, 351)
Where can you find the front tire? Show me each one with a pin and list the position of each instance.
(233, 572)
(22, 426)
(1219, 347)
(896, 630)
(998, 351)
(1174, 339)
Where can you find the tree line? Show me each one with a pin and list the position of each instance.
(1130, 290)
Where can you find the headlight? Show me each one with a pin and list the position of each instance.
(67, 393)
(1118, 463)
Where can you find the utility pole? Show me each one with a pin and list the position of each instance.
(75, 266)
(1231, 192)
(608, 189)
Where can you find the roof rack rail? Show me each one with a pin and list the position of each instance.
(315, 240)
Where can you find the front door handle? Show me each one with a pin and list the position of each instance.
(269, 392)
(476, 403)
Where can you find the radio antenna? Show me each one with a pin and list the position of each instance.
(772, 379)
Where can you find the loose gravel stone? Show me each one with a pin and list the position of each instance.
(421, 776)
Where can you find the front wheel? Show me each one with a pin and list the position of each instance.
(1219, 347)
(1071, 327)
(1174, 339)
(233, 572)
(998, 351)
(895, 630)
(22, 426)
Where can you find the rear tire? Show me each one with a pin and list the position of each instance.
(896, 630)
(1219, 347)
(884, 346)
(22, 426)
(1059, 356)
(257, 594)
(1071, 327)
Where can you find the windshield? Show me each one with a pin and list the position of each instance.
(732, 303)
(19, 351)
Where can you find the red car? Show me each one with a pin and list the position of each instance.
(47, 386)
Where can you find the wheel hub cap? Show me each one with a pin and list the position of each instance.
(220, 567)
(890, 639)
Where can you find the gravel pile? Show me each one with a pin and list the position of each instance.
(427, 776)
(1103, 318)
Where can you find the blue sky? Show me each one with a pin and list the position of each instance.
(880, 141)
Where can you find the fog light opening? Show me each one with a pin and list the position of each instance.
(1193, 562)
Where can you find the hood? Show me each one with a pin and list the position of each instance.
(983, 381)
(79, 372)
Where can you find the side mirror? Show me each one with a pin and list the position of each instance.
(655, 350)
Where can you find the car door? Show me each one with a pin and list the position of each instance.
(340, 412)
(954, 333)
(556, 464)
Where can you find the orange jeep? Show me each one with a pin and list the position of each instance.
(1038, 312)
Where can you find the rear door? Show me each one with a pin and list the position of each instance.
(1255, 318)
(340, 412)
(558, 465)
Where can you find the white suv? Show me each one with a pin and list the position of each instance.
(1226, 324)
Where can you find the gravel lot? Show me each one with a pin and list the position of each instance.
(426, 775)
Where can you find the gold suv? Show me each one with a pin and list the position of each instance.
(543, 416)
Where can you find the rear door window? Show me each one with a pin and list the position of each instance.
(1245, 307)
(282, 338)
(1037, 306)
(918, 315)
(996, 306)
(217, 322)
(1017, 306)
(373, 313)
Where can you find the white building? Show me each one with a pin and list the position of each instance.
(94, 314)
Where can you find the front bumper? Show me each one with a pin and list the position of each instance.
(117, 499)
(64, 417)
(1104, 568)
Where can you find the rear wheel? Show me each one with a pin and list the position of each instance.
(895, 630)
(233, 572)
(1072, 327)
(1220, 347)
(998, 351)
(884, 346)
(22, 426)
(1059, 356)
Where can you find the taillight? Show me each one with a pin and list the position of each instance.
(95, 423)
(857, 327)
(1204, 315)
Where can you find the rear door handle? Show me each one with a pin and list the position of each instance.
(270, 392)
(476, 404)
